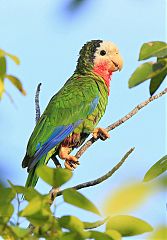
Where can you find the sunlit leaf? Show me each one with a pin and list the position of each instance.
(7, 195)
(13, 57)
(17, 189)
(126, 198)
(2, 87)
(114, 234)
(72, 223)
(159, 234)
(16, 82)
(70, 236)
(2, 53)
(34, 206)
(157, 169)
(6, 210)
(100, 236)
(31, 193)
(2, 66)
(156, 81)
(153, 49)
(77, 199)
(146, 71)
(91, 225)
(128, 225)
(54, 176)
(19, 232)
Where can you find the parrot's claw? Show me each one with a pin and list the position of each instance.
(101, 133)
(71, 162)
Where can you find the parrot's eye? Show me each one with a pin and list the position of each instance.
(102, 52)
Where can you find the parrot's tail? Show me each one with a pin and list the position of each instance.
(32, 176)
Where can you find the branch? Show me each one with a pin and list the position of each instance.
(37, 106)
(121, 121)
(103, 178)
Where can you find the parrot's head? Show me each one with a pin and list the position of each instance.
(100, 57)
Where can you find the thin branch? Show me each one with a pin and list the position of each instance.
(104, 177)
(37, 106)
(121, 121)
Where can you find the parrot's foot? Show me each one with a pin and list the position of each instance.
(71, 162)
(101, 133)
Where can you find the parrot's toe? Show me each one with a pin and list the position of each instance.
(101, 133)
(71, 162)
(71, 165)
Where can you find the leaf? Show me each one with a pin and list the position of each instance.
(127, 198)
(159, 234)
(7, 195)
(16, 188)
(56, 177)
(156, 82)
(100, 236)
(146, 71)
(2, 66)
(6, 210)
(13, 57)
(157, 169)
(70, 236)
(153, 49)
(72, 223)
(2, 53)
(91, 225)
(128, 225)
(16, 82)
(31, 193)
(75, 198)
(114, 234)
(2, 87)
(19, 232)
(34, 206)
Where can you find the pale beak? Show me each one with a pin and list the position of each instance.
(117, 62)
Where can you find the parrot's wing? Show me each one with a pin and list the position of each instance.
(66, 110)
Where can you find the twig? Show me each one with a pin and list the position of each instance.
(121, 121)
(104, 177)
(37, 106)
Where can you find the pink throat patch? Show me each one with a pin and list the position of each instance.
(102, 69)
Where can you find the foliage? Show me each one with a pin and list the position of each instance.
(46, 225)
(156, 71)
(3, 73)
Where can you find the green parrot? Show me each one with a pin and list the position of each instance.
(74, 111)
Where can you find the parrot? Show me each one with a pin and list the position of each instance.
(75, 110)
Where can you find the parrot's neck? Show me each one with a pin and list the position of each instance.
(102, 70)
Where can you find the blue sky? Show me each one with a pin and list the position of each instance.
(47, 37)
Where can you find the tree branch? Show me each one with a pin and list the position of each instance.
(37, 106)
(121, 121)
(103, 178)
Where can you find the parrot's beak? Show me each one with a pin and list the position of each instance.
(117, 62)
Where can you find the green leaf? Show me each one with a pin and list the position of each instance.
(128, 197)
(159, 234)
(146, 71)
(16, 82)
(114, 234)
(6, 210)
(56, 177)
(20, 232)
(75, 198)
(153, 49)
(2, 53)
(157, 169)
(70, 236)
(13, 57)
(34, 206)
(128, 225)
(91, 225)
(31, 193)
(7, 195)
(99, 236)
(17, 189)
(2, 87)
(72, 223)
(156, 82)
(2, 66)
